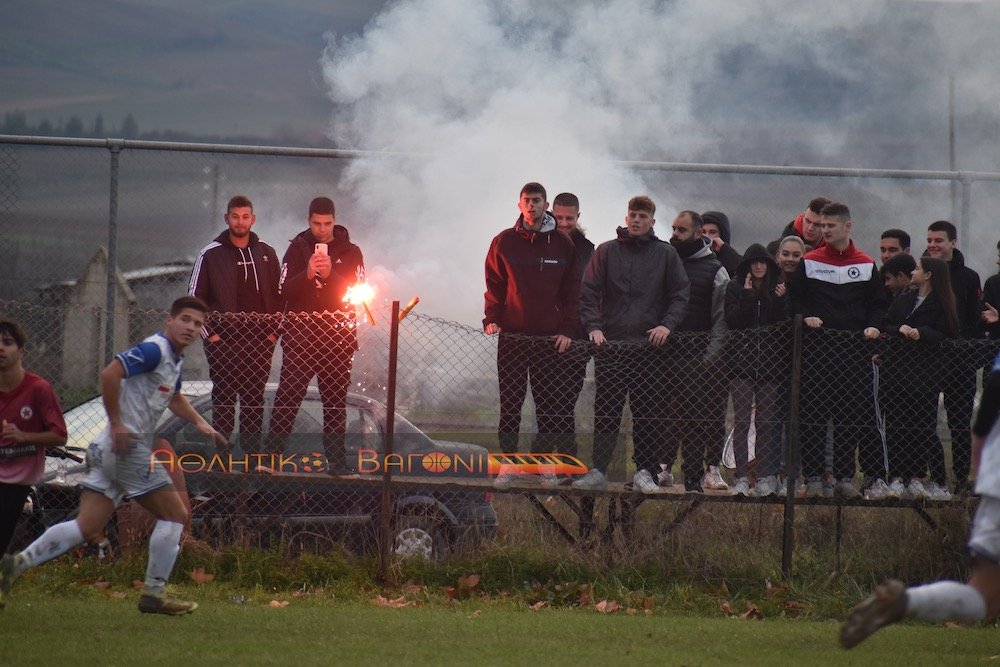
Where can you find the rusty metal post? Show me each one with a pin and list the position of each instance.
(385, 512)
(792, 457)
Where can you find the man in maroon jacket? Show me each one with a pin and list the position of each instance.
(532, 301)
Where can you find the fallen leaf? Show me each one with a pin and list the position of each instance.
(538, 605)
(725, 607)
(584, 598)
(299, 594)
(631, 611)
(137, 584)
(649, 612)
(278, 603)
(649, 602)
(607, 606)
(451, 592)
(469, 582)
(100, 583)
(199, 576)
(752, 612)
(476, 614)
(119, 595)
(397, 603)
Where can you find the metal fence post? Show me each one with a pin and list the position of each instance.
(385, 514)
(966, 222)
(792, 457)
(115, 146)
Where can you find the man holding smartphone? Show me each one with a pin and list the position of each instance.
(319, 331)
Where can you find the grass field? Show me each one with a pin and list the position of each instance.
(101, 627)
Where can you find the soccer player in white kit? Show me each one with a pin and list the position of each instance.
(951, 600)
(136, 387)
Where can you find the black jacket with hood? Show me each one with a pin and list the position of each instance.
(216, 273)
(301, 294)
(753, 351)
(727, 254)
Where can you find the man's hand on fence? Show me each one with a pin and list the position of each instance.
(562, 343)
(491, 329)
(872, 333)
(658, 335)
(813, 322)
(990, 315)
(597, 337)
(909, 332)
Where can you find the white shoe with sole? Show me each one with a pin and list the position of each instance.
(713, 480)
(643, 482)
(594, 480)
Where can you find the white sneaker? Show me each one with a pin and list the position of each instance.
(845, 488)
(741, 487)
(815, 488)
(915, 489)
(766, 486)
(548, 480)
(937, 492)
(713, 480)
(896, 489)
(877, 490)
(643, 483)
(664, 477)
(594, 480)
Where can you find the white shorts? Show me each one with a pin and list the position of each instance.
(123, 477)
(985, 539)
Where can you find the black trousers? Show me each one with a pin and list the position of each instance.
(837, 387)
(911, 430)
(634, 372)
(552, 376)
(12, 497)
(696, 413)
(323, 348)
(239, 366)
(959, 392)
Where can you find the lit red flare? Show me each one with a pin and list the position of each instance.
(361, 294)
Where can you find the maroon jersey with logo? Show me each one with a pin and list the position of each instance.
(32, 406)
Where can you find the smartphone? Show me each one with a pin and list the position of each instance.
(320, 248)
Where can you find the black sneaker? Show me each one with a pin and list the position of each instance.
(693, 485)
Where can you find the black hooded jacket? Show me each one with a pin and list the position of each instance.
(968, 289)
(727, 254)
(219, 268)
(754, 351)
(302, 294)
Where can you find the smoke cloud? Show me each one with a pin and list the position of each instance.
(486, 95)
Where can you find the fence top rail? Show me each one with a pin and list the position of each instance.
(639, 165)
(191, 147)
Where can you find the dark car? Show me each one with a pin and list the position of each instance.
(440, 509)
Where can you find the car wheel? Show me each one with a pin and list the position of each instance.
(419, 537)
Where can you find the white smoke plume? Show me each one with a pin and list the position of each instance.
(489, 94)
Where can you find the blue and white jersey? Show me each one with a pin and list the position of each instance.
(152, 377)
(988, 477)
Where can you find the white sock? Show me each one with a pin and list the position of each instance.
(945, 601)
(54, 542)
(164, 544)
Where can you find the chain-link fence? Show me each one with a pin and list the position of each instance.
(477, 454)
